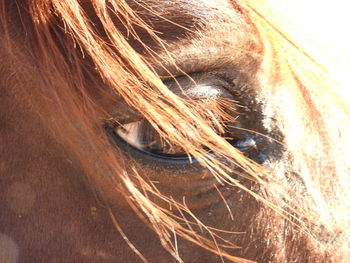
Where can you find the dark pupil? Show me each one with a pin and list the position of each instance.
(147, 139)
(153, 143)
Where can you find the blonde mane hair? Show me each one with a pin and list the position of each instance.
(300, 94)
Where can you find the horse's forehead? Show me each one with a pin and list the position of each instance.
(183, 13)
(195, 8)
(188, 14)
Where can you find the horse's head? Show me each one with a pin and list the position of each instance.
(168, 130)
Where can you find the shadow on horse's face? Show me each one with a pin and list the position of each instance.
(51, 211)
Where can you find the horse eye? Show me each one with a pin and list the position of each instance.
(142, 136)
(241, 126)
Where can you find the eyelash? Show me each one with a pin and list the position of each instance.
(157, 147)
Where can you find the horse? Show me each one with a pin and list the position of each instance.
(172, 131)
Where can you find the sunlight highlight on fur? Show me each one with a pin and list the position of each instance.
(303, 93)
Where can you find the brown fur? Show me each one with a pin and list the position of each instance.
(68, 195)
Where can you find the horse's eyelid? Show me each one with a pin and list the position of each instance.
(214, 78)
